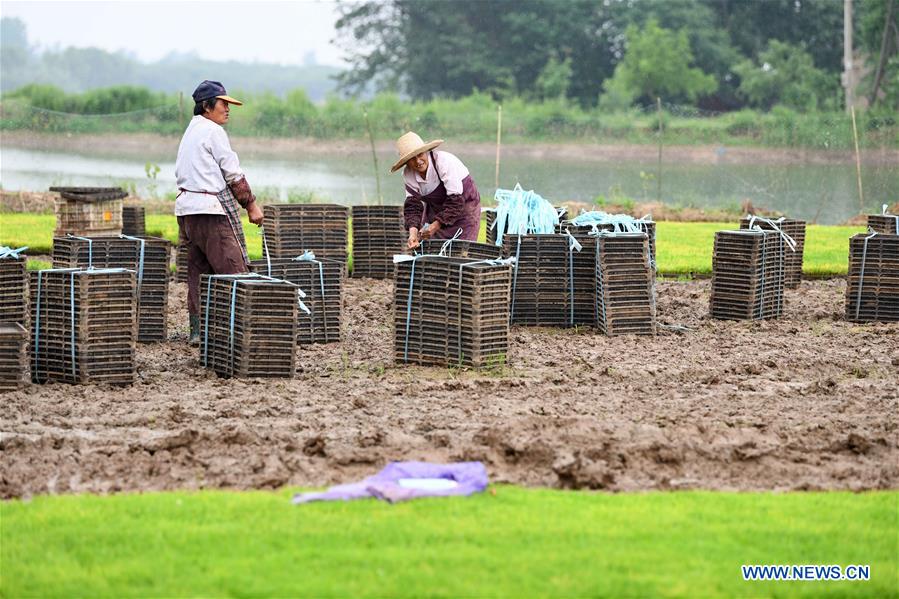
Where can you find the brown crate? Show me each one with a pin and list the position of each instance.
(448, 311)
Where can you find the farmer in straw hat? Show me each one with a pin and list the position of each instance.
(211, 185)
(441, 197)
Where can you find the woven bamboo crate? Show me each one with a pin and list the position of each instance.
(14, 289)
(83, 326)
(134, 220)
(552, 284)
(248, 326)
(88, 210)
(378, 234)
(13, 356)
(748, 275)
(796, 230)
(146, 256)
(291, 229)
(322, 282)
(625, 285)
(448, 311)
(461, 248)
(887, 224)
(872, 289)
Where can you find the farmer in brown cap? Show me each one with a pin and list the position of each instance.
(441, 197)
(211, 185)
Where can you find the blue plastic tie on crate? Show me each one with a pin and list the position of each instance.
(861, 276)
(8, 252)
(90, 248)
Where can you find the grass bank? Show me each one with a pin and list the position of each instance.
(683, 248)
(517, 542)
(471, 118)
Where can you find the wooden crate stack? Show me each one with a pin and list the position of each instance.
(872, 290)
(13, 356)
(796, 230)
(448, 312)
(378, 234)
(291, 229)
(134, 220)
(888, 224)
(748, 274)
(83, 326)
(625, 285)
(13, 286)
(248, 326)
(89, 210)
(322, 282)
(461, 248)
(148, 257)
(553, 284)
(648, 227)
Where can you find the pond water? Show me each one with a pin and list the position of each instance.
(823, 193)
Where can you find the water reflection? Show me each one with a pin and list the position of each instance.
(826, 193)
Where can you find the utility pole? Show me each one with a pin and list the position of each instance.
(848, 81)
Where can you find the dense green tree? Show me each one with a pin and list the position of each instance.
(454, 48)
(554, 80)
(879, 40)
(657, 63)
(818, 24)
(786, 74)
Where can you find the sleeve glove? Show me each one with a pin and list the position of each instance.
(242, 192)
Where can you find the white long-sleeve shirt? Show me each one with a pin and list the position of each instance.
(452, 171)
(205, 162)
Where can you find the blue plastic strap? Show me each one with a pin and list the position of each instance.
(409, 310)
(140, 261)
(491, 261)
(72, 321)
(515, 279)
(448, 244)
(268, 260)
(231, 326)
(522, 212)
(309, 256)
(90, 248)
(861, 275)
(8, 252)
(37, 323)
(573, 244)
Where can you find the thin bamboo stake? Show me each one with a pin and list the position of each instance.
(659, 166)
(374, 157)
(858, 163)
(499, 134)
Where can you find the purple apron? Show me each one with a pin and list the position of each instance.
(469, 221)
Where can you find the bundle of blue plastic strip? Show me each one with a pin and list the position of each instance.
(621, 223)
(520, 212)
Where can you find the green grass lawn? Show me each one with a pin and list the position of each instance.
(683, 248)
(517, 542)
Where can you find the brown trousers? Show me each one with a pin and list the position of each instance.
(212, 249)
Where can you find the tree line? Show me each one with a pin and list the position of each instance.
(717, 54)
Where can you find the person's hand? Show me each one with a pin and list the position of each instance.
(255, 214)
(431, 231)
(413, 239)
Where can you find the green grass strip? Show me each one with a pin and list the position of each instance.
(518, 542)
(683, 248)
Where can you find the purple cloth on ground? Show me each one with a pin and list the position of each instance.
(471, 477)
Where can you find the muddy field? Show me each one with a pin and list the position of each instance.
(807, 402)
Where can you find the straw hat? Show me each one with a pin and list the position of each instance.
(410, 145)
